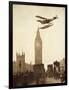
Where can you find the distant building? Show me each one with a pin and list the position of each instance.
(50, 70)
(20, 66)
(56, 69)
(20, 62)
(50, 67)
(28, 67)
(62, 70)
(62, 65)
(14, 68)
(56, 66)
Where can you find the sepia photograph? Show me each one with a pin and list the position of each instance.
(37, 44)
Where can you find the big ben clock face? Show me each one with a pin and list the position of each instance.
(38, 44)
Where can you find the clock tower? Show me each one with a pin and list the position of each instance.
(38, 48)
(38, 66)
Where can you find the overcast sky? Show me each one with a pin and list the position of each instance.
(25, 28)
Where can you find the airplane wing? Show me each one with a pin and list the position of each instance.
(40, 17)
(46, 26)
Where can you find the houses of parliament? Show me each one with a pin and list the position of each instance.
(20, 66)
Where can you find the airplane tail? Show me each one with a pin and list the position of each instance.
(39, 21)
